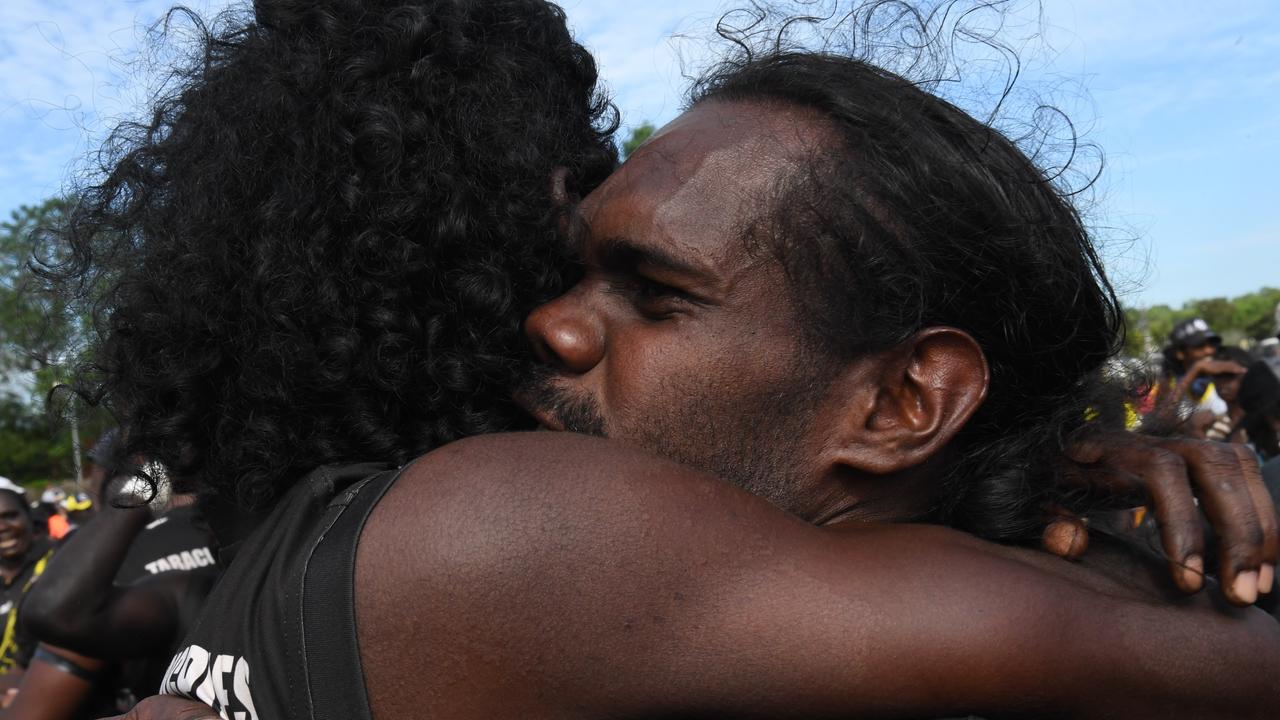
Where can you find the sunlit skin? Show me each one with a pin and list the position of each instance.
(684, 338)
(551, 575)
(557, 576)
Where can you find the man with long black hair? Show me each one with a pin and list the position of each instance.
(327, 239)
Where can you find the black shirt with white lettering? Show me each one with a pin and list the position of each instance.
(277, 639)
(174, 542)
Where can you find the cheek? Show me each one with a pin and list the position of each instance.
(663, 376)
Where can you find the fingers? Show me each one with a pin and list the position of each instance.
(1181, 534)
(1124, 464)
(1066, 537)
(1267, 519)
(1232, 495)
(1240, 513)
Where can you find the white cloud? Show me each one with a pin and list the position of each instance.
(65, 70)
(637, 52)
(1150, 64)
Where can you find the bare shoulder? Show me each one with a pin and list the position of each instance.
(542, 574)
(503, 490)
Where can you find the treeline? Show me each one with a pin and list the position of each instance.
(1246, 318)
(41, 335)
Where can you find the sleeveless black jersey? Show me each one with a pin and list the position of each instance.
(173, 542)
(277, 637)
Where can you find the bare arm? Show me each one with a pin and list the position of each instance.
(76, 604)
(49, 692)
(569, 577)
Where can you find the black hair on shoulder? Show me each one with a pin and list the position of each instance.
(321, 244)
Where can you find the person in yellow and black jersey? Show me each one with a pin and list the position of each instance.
(113, 605)
(23, 558)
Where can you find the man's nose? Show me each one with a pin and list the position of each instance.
(565, 335)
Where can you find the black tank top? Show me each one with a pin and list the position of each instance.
(176, 545)
(172, 543)
(277, 637)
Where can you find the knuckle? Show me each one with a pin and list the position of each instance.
(1183, 533)
(1167, 462)
(1220, 458)
(1245, 542)
(1243, 455)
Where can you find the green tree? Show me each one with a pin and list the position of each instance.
(1246, 317)
(37, 326)
(638, 135)
(1255, 312)
(43, 333)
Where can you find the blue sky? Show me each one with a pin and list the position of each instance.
(1183, 98)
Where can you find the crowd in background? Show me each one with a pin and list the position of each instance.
(118, 559)
(1209, 390)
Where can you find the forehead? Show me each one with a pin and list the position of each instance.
(9, 502)
(701, 179)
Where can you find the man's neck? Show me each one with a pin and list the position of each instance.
(902, 497)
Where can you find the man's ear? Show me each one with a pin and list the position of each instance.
(927, 389)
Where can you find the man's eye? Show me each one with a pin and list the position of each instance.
(646, 288)
(656, 299)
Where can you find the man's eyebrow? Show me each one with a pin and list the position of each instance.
(620, 253)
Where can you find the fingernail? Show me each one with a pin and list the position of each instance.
(1245, 588)
(1193, 571)
(1266, 576)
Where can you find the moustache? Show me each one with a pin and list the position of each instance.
(578, 414)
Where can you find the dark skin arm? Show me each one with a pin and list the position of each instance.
(49, 693)
(1168, 473)
(77, 606)
(569, 577)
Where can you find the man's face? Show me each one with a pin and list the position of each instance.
(1190, 355)
(680, 336)
(1227, 385)
(15, 527)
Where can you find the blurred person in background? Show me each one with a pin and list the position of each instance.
(1260, 401)
(1269, 347)
(77, 508)
(1226, 382)
(1189, 365)
(24, 556)
(1185, 400)
(49, 513)
(116, 600)
(1259, 398)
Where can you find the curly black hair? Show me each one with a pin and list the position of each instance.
(929, 217)
(321, 245)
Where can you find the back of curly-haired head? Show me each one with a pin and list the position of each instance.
(928, 217)
(320, 247)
